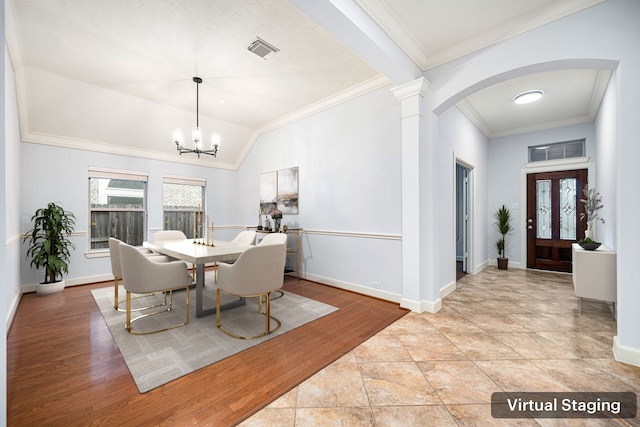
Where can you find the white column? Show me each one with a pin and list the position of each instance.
(411, 96)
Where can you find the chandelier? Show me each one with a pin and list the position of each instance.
(196, 134)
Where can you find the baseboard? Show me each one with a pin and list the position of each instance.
(481, 267)
(13, 309)
(359, 289)
(422, 306)
(74, 282)
(624, 354)
(447, 289)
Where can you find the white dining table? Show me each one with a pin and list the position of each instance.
(199, 254)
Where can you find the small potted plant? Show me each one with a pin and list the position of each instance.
(49, 246)
(503, 224)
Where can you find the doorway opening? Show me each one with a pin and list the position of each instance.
(463, 219)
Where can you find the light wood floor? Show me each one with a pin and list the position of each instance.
(63, 367)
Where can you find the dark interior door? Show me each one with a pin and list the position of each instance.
(553, 218)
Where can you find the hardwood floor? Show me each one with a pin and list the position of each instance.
(63, 367)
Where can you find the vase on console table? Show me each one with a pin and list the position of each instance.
(276, 225)
(588, 233)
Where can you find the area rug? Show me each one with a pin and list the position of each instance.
(157, 359)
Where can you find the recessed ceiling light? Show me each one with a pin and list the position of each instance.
(528, 96)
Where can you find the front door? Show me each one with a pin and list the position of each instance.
(553, 218)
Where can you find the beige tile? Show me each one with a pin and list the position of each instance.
(533, 346)
(579, 422)
(453, 323)
(468, 307)
(581, 344)
(479, 415)
(381, 348)
(475, 345)
(537, 322)
(628, 374)
(338, 417)
(458, 382)
(287, 400)
(482, 346)
(272, 417)
(412, 416)
(396, 383)
(412, 323)
(519, 375)
(337, 385)
(581, 375)
(505, 307)
(431, 347)
(495, 323)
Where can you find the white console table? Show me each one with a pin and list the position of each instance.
(594, 275)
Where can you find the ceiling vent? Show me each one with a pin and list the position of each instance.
(263, 49)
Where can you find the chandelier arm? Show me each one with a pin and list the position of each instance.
(197, 150)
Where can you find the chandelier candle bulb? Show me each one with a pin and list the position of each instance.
(178, 138)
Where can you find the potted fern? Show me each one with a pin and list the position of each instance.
(503, 224)
(49, 246)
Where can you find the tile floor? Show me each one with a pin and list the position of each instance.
(512, 330)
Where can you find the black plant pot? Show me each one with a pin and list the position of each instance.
(503, 263)
(589, 246)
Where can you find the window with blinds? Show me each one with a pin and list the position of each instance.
(557, 151)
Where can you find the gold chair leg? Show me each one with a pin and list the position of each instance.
(267, 327)
(129, 321)
(127, 324)
(116, 285)
(267, 315)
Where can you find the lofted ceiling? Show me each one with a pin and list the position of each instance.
(151, 49)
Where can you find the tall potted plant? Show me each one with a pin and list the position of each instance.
(49, 246)
(503, 224)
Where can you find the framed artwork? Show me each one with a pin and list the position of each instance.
(288, 191)
(268, 192)
(279, 190)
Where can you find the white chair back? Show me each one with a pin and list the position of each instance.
(259, 270)
(114, 254)
(274, 239)
(164, 235)
(245, 237)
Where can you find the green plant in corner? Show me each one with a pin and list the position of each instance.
(49, 246)
(503, 224)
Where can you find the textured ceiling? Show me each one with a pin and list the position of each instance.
(151, 49)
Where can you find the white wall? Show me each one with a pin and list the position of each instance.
(61, 175)
(349, 187)
(349, 181)
(10, 191)
(4, 283)
(605, 183)
(605, 35)
(508, 157)
(459, 138)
